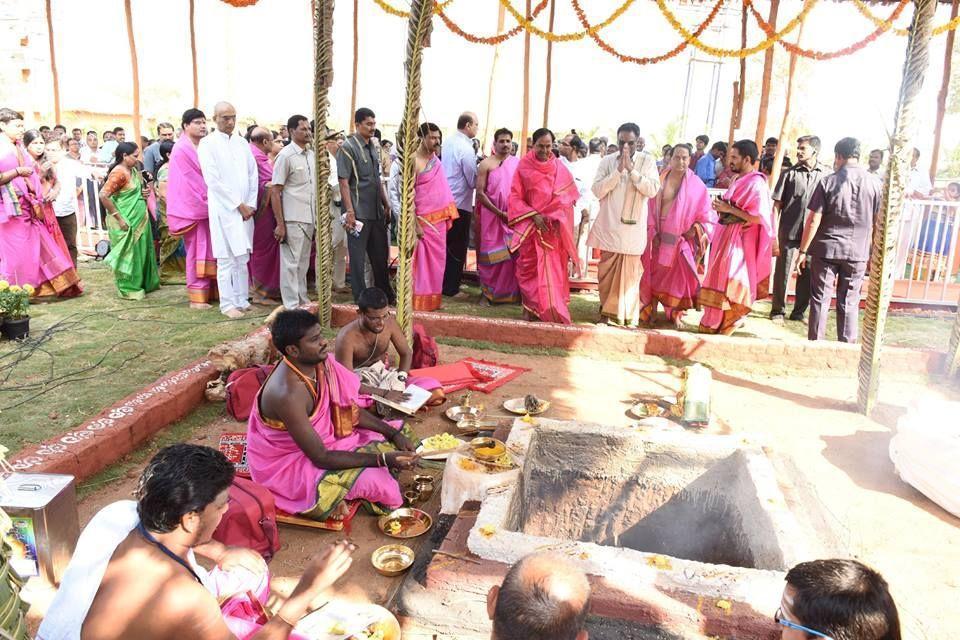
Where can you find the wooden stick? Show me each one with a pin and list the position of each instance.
(785, 124)
(743, 68)
(765, 84)
(525, 112)
(53, 66)
(942, 96)
(193, 56)
(136, 72)
(356, 57)
(546, 90)
(501, 18)
(455, 556)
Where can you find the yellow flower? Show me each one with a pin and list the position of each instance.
(16, 288)
(4, 285)
(29, 289)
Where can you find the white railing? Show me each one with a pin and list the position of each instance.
(90, 229)
(928, 259)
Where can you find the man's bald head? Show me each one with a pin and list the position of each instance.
(468, 123)
(542, 597)
(261, 138)
(225, 116)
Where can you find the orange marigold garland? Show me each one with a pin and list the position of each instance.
(582, 16)
(240, 3)
(829, 55)
(498, 39)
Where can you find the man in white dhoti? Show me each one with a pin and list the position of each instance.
(230, 172)
(624, 182)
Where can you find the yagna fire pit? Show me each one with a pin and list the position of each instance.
(683, 531)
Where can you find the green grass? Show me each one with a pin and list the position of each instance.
(87, 353)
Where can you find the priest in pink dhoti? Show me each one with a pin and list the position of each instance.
(495, 263)
(680, 224)
(187, 213)
(311, 440)
(540, 212)
(436, 210)
(738, 273)
(265, 258)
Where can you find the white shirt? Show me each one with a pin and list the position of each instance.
(618, 192)
(393, 188)
(919, 183)
(230, 171)
(460, 164)
(68, 171)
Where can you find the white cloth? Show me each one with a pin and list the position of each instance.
(233, 281)
(619, 193)
(925, 450)
(919, 183)
(68, 172)
(230, 171)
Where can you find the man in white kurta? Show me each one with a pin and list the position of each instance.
(624, 182)
(230, 172)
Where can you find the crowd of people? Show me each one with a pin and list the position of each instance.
(234, 217)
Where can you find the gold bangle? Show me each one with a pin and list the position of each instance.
(292, 625)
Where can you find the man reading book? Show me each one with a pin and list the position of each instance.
(310, 439)
(362, 346)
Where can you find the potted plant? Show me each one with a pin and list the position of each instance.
(15, 309)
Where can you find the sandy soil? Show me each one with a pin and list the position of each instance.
(881, 520)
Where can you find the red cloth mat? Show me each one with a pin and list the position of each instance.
(470, 373)
(234, 447)
(494, 375)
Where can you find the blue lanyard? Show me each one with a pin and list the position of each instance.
(159, 545)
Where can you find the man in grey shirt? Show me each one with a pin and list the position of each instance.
(837, 237)
(151, 155)
(365, 201)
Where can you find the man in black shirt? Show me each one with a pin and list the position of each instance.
(790, 200)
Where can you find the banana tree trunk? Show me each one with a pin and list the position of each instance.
(887, 229)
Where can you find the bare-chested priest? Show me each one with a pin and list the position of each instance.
(362, 346)
(134, 573)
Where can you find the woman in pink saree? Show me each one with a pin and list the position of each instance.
(680, 225)
(495, 263)
(29, 250)
(740, 257)
(540, 214)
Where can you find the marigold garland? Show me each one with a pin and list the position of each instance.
(591, 31)
(494, 40)
(869, 15)
(437, 8)
(772, 39)
(829, 55)
(564, 37)
(240, 3)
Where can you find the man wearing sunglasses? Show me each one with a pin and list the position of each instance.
(837, 600)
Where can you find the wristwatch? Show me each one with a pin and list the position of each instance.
(402, 376)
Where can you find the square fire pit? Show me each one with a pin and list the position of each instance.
(682, 528)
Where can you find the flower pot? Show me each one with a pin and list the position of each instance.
(16, 328)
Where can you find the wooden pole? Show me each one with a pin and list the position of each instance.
(786, 123)
(953, 349)
(942, 96)
(887, 231)
(419, 27)
(322, 81)
(525, 112)
(356, 62)
(193, 55)
(765, 83)
(743, 67)
(734, 113)
(135, 67)
(501, 18)
(546, 90)
(53, 66)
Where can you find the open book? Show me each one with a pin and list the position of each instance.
(418, 397)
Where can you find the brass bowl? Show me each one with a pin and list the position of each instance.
(488, 449)
(392, 559)
(516, 406)
(457, 412)
(415, 523)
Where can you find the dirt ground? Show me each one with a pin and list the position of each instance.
(843, 456)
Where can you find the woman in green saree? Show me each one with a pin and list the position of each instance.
(131, 254)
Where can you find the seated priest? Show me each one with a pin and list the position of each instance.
(362, 346)
(134, 573)
(310, 440)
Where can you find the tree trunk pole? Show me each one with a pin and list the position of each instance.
(501, 18)
(193, 55)
(525, 112)
(887, 229)
(53, 66)
(356, 62)
(136, 72)
(322, 81)
(953, 351)
(943, 95)
(421, 14)
(549, 78)
(786, 123)
(743, 69)
(734, 113)
(767, 73)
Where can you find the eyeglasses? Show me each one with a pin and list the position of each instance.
(779, 619)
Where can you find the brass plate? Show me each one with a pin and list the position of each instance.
(413, 523)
